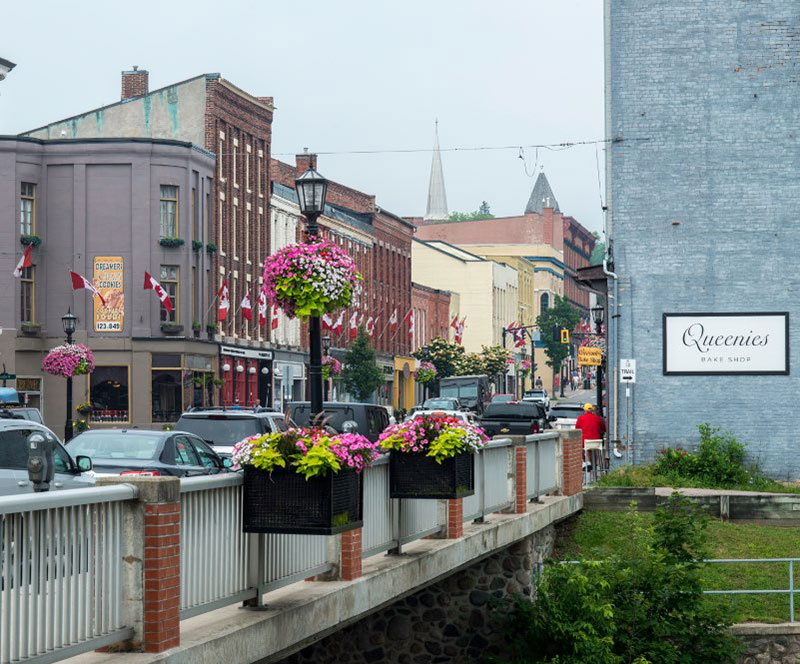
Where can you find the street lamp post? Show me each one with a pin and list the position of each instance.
(597, 313)
(311, 188)
(69, 321)
(326, 350)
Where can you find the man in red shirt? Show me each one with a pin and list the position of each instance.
(591, 424)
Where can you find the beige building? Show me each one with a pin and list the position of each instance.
(486, 291)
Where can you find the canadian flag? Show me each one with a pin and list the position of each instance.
(152, 284)
(519, 335)
(454, 323)
(409, 318)
(354, 325)
(327, 322)
(339, 324)
(274, 316)
(224, 301)
(24, 262)
(460, 329)
(246, 307)
(262, 308)
(393, 321)
(79, 282)
(371, 326)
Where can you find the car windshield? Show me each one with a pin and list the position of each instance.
(224, 430)
(535, 394)
(563, 411)
(502, 398)
(13, 448)
(445, 404)
(459, 391)
(511, 410)
(333, 416)
(115, 445)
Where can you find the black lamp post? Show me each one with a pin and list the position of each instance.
(597, 314)
(326, 350)
(311, 188)
(69, 321)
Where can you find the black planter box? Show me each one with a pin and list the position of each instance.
(419, 476)
(282, 501)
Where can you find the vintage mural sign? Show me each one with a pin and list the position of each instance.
(108, 279)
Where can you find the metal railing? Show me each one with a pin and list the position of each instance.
(542, 463)
(494, 466)
(60, 574)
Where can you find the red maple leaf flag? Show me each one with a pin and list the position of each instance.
(79, 282)
(460, 330)
(454, 323)
(354, 325)
(393, 321)
(262, 308)
(274, 316)
(327, 322)
(151, 284)
(246, 307)
(24, 262)
(339, 324)
(409, 318)
(224, 301)
(371, 326)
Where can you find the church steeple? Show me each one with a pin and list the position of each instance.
(542, 196)
(437, 198)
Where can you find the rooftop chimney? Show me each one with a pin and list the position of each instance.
(135, 83)
(305, 162)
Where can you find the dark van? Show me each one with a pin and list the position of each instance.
(368, 419)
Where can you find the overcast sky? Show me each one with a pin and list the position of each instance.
(350, 75)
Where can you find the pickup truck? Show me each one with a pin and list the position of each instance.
(514, 419)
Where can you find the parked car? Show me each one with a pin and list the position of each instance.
(368, 419)
(145, 452)
(564, 416)
(441, 403)
(514, 419)
(472, 391)
(10, 403)
(502, 398)
(223, 428)
(538, 395)
(70, 472)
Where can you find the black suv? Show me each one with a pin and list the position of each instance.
(223, 428)
(368, 419)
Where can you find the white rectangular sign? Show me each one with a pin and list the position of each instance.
(726, 343)
(627, 371)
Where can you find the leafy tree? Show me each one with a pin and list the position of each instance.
(361, 375)
(471, 364)
(445, 355)
(560, 315)
(495, 360)
(483, 212)
(599, 251)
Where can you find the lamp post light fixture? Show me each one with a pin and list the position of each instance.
(597, 314)
(69, 321)
(5, 67)
(311, 189)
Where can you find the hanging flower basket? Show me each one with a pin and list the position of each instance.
(432, 457)
(425, 373)
(310, 279)
(303, 481)
(331, 367)
(69, 360)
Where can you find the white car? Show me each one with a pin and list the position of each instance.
(538, 395)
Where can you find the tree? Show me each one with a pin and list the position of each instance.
(599, 251)
(361, 375)
(471, 364)
(483, 212)
(445, 355)
(495, 360)
(561, 315)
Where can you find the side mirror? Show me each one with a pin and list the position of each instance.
(227, 462)
(350, 426)
(84, 463)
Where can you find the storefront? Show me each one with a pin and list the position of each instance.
(289, 378)
(403, 396)
(246, 376)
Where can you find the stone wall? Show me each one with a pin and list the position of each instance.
(448, 621)
(769, 644)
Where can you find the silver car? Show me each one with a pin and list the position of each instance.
(14, 461)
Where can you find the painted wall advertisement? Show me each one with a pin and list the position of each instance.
(108, 279)
(726, 343)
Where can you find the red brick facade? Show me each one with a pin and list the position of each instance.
(431, 313)
(162, 576)
(455, 518)
(350, 560)
(578, 246)
(545, 228)
(572, 463)
(135, 83)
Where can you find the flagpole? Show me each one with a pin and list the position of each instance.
(211, 306)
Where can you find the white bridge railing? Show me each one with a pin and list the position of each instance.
(61, 577)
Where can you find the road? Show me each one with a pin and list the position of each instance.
(578, 396)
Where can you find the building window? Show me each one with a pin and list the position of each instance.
(221, 158)
(109, 394)
(27, 309)
(220, 213)
(195, 218)
(234, 163)
(27, 209)
(169, 211)
(166, 390)
(258, 174)
(209, 232)
(247, 170)
(544, 302)
(247, 235)
(233, 231)
(169, 282)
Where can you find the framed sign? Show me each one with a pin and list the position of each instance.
(590, 357)
(726, 344)
(108, 279)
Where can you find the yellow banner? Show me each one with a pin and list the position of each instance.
(108, 279)
(590, 357)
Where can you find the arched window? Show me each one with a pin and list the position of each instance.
(544, 302)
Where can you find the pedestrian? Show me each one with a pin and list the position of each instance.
(593, 429)
(539, 382)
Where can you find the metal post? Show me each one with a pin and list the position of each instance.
(537, 473)
(791, 591)
(397, 507)
(600, 390)
(68, 425)
(482, 478)
(256, 550)
(315, 341)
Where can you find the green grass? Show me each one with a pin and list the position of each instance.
(596, 534)
(645, 476)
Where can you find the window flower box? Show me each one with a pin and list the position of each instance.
(196, 245)
(171, 328)
(171, 242)
(34, 240)
(31, 329)
(211, 248)
(432, 457)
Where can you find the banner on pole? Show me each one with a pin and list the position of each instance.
(108, 279)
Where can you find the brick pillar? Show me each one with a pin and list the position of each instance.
(350, 556)
(520, 479)
(572, 462)
(135, 83)
(455, 518)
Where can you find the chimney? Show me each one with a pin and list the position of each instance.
(305, 162)
(134, 83)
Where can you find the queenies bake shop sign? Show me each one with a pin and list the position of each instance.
(726, 343)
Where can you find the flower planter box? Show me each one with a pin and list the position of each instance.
(419, 476)
(282, 501)
(171, 328)
(31, 329)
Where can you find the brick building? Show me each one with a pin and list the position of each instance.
(210, 112)
(703, 217)
(432, 314)
(578, 246)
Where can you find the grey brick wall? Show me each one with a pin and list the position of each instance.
(714, 86)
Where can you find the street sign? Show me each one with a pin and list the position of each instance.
(7, 376)
(590, 357)
(627, 371)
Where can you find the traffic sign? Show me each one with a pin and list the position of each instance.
(7, 376)
(627, 371)
(590, 357)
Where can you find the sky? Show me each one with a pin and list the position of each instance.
(352, 75)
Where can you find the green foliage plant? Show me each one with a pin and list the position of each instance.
(560, 315)
(483, 212)
(361, 375)
(445, 355)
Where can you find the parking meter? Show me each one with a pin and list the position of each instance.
(41, 466)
